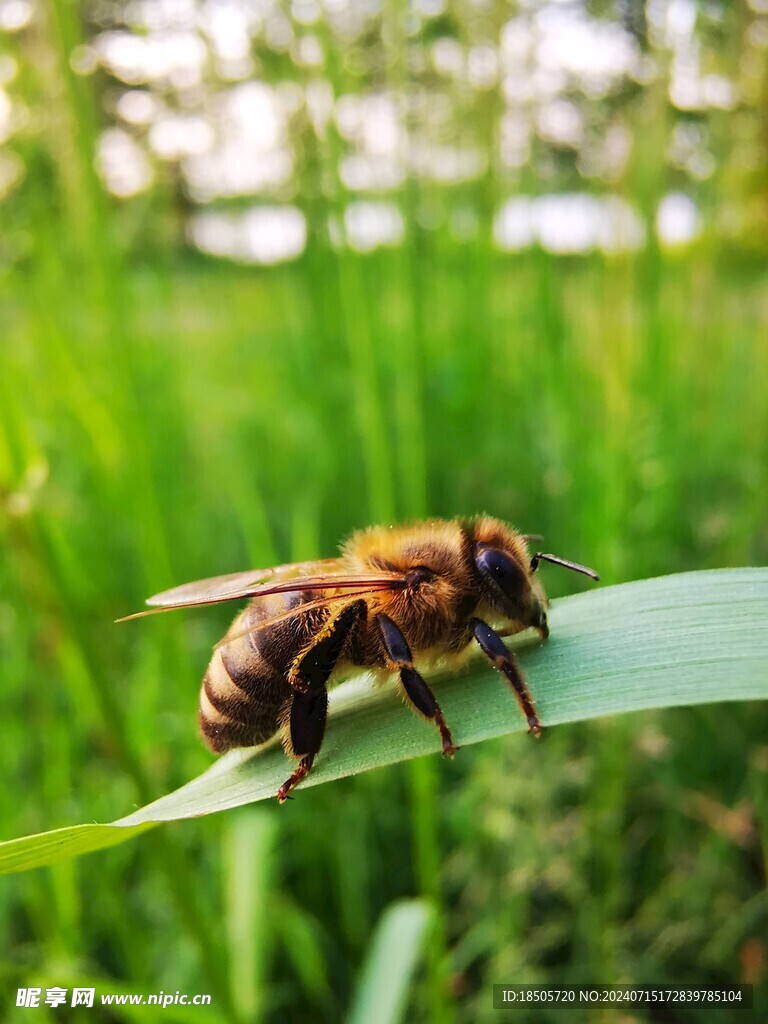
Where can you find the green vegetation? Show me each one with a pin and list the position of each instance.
(624, 648)
(619, 412)
(165, 417)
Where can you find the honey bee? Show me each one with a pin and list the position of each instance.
(394, 595)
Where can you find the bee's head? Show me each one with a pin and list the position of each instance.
(508, 574)
(511, 587)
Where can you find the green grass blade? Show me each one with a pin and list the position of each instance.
(59, 844)
(381, 995)
(250, 857)
(692, 638)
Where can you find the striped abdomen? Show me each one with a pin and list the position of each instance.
(245, 686)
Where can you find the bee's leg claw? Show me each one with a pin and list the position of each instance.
(305, 764)
(449, 749)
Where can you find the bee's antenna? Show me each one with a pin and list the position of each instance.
(541, 557)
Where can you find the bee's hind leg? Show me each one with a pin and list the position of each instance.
(305, 766)
(303, 719)
(305, 728)
(416, 690)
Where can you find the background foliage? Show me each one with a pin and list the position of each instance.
(592, 370)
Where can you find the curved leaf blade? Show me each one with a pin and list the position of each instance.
(691, 638)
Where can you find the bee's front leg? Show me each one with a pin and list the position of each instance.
(495, 650)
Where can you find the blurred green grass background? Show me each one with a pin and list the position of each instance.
(165, 416)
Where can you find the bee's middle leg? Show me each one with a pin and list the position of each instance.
(304, 717)
(416, 690)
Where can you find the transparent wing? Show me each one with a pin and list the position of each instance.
(229, 587)
(284, 579)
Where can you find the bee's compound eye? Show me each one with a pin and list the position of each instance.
(501, 570)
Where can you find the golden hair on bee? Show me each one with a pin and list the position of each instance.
(393, 599)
